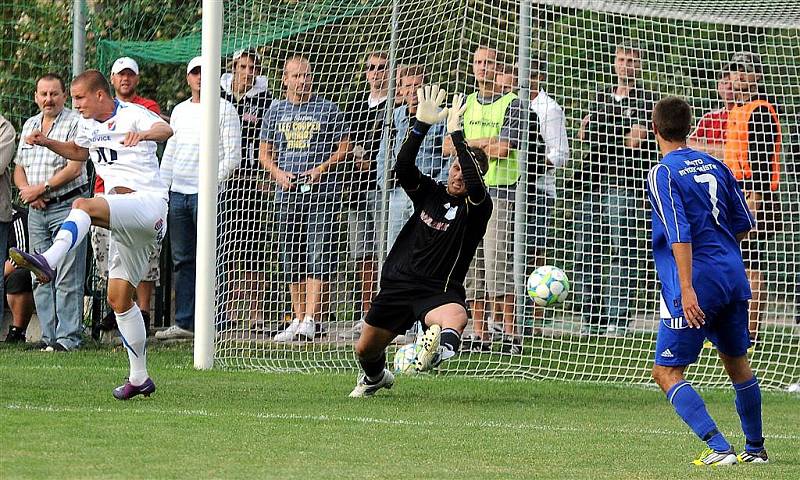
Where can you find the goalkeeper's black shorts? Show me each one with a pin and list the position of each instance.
(398, 308)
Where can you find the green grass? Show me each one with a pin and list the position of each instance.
(59, 421)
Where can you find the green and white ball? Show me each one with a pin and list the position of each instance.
(548, 285)
(404, 358)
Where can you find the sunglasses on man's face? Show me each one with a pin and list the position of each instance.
(371, 67)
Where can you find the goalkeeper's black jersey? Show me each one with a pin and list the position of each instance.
(437, 244)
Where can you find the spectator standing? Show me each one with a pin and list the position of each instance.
(302, 139)
(49, 183)
(430, 159)
(179, 170)
(7, 138)
(19, 287)
(245, 204)
(366, 124)
(711, 131)
(753, 153)
(548, 150)
(491, 123)
(621, 149)
(125, 80)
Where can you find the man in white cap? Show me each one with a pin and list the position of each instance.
(125, 78)
(179, 170)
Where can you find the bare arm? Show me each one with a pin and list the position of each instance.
(266, 156)
(69, 150)
(159, 132)
(314, 174)
(584, 127)
(691, 308)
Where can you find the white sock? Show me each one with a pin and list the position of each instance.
(134, 337)
(71, 233)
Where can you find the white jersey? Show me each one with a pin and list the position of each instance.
(119, 166)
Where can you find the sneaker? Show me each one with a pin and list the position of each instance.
(366, 389)
(753, 457)
(174, 333)
(353, 332)
(430, 349)
(41, 345)
(127, 391)
(476, 344)
(15, 335)
(709, 457)
(34, 262)
(57, 347)
(511, 345)
(306, 330)
(288, 334)
(793, 388)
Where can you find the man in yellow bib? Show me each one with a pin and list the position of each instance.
(491, 118)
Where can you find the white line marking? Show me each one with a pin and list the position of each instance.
(380, 421)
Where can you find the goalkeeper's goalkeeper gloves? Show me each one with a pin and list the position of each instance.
(429, 100)
(455, 113)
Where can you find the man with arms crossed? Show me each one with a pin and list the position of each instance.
(120, 138)
(699, 217)
(423, 276)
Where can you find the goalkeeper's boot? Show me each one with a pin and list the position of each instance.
(754, 457)
(364, 388)
(34, 262)
(429, 353)
(126, 391)
(711, 457)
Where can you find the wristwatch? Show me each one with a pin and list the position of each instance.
(47, 188)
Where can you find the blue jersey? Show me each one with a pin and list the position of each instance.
(696, 200)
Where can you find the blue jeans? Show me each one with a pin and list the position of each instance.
(60, 312)
(606, 255)
(182, 227)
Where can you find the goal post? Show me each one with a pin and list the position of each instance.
(585, 211)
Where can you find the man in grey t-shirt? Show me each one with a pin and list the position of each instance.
(302, 138)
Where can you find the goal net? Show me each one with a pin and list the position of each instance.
(572, 192)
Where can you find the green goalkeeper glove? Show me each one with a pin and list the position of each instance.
(430, 98)
(455, 113)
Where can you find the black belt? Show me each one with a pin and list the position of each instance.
(71, 194)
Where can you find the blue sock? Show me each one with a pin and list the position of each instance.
(691, 408)
(748, 406)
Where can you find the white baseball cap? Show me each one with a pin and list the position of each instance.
(122, 63)
(193, 63)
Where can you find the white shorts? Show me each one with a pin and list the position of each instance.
(138, 225)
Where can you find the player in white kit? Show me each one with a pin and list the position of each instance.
(120, 138)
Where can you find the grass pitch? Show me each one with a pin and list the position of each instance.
(59, 420)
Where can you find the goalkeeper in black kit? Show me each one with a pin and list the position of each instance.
(423, 276)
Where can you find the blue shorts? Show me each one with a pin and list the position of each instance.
(726, 327)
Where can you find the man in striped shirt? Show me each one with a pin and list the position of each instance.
(699, 217)
(179, 170)
(49, 183)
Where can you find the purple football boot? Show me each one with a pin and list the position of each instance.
(34, 262)
(128, 391)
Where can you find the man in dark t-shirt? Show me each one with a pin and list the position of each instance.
(611, 217)
(18, 282)
(423, 276)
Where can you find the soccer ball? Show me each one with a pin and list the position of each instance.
(404, 358)
(548, 285)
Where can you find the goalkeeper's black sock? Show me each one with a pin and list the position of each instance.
(373, 367)
(450, 339)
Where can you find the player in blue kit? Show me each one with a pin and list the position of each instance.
(699, 218)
